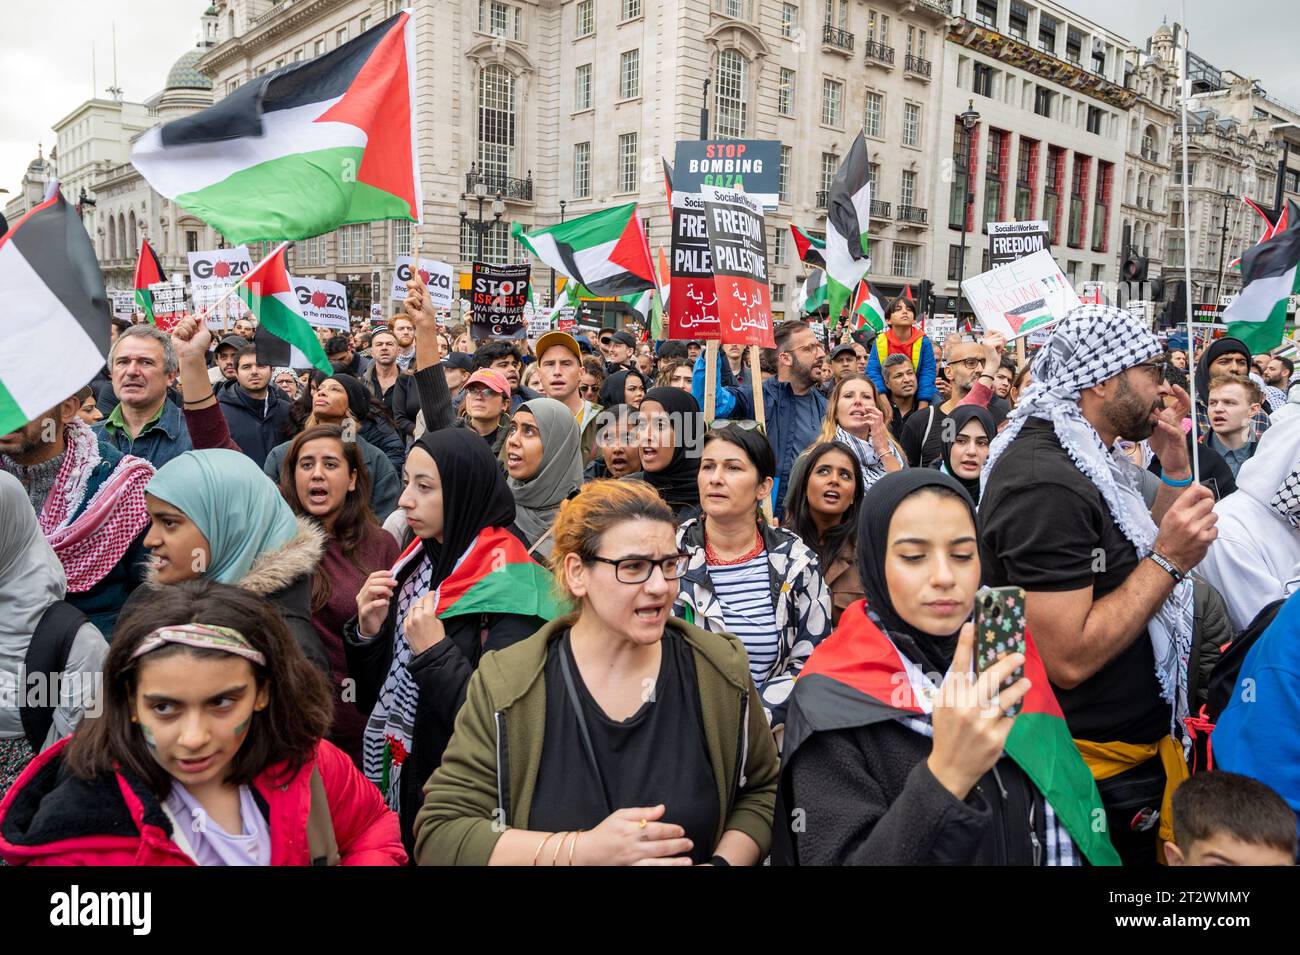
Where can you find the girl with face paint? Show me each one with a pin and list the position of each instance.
(208, 751)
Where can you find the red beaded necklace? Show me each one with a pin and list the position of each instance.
(711, 556)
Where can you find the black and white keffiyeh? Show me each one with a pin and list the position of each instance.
(1092, 344)
(868, 460)
(1287, 499)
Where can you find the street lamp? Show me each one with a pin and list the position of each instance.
(1223, 240)
(968, 121)
(563, 203)
(481, 227)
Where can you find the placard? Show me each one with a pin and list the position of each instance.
(168, 304)
(123, 303)
(738, 250)
(539, 323)
(1009, 241)
(1020, 296)
(692, 299)
(498, 294)
(376, 314)
(438, 277)
(323, 303)
(212, 274)
(752, 166)
(939, 327)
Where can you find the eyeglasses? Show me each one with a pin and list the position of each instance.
(970, 364)
(588, 389)
(1159, 370)
(637, 570)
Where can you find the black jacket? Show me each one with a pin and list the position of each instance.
(402, 399)
(385, 437)
(256, 425)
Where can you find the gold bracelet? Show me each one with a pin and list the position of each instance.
(558, 846)
(538, 853)
(573, 845)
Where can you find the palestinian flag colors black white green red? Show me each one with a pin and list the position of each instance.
(810, 248)
(54, 299)
(867, 312)
(848, 249)
(856, 677)
(268, 293)
(606, 251)
(301, 151)
(812, 294)
(1269, 278)
(148, 271)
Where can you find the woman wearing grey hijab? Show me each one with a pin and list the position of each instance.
(543, 460)
(32, 587)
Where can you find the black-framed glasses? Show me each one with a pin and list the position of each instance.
(1159, 368)
(637, 570)
(970, 364)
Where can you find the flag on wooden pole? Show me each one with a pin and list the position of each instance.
(148, 271)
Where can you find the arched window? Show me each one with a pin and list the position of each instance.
(230, 25)
(1142, 181)
(496, 126)
(731, 84)
(1128, 186)
(131, 225)
(112, 238)
(1149, 143)
(1146, 240)
(121, 236)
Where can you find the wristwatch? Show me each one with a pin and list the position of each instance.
(1165, 564)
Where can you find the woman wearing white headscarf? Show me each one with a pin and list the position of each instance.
(543, 459)
(32, 588)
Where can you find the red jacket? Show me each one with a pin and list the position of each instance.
(51, 819)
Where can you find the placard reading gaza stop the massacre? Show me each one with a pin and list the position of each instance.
(212, 274)
(323, 303)
(498, 294)
(438, 277)
(738, 248)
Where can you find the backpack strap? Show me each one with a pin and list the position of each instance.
(47, 654)
(322, 845)
(929, 423)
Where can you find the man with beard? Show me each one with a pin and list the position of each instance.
(968, 371)
(222, 373)
(255, 411)
(1278, 372)
(388, 383)
(405, 332)
(1107, 598)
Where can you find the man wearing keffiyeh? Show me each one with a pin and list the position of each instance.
(1063, 517)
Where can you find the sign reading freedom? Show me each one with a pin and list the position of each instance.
(739, 251)
(497, 297)
(693, 298)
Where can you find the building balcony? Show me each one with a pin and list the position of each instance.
(823, 199)
(880, 209)
(916, 66)
(879, 54)
(837, 40)
(913, 215)
(510, 187)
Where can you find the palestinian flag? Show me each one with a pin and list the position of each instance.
(148, 271)
(1028, 316)
(810, 248)
(54, 294)
(301, 151)
(495, 575)
(606, 251)
(1268, 279)
(640, 302)
(668, 180)
(812, 294)
(1271, 228)
(281, 329)
(661, 302)
(867, 312)
(856, 677)
(847, 247)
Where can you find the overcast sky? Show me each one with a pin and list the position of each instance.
(45, 65)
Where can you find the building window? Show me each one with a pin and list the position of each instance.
(581, 170)
(1026, 171)
(983, 79)
(785, 93)
(401, 237)
(954, 263)
(1095, 272)
(907, 195)
(873, 174)
(904, 259)
(1072, 273)
(783, 174)
(911, 124)
(1046, 33)
(340, 36)
(318, 48)
(496, 124)
(495, 244)
(778, 292)
(1052, 193)
(354, 244)
(1148, 150)
(1175, 251)
(1043, 101)
(1078, 194)
(730, 106)
(629, 72)
(1098, 57)
(1094, 120)
(191, 242)
(586, 17)
(1018, 23)
(364, 25)
(631, 9)
(986, 13)
(1101, 206)
(582, 87)
(830, 166)
(789, 19)
(498, 19)
(831, 20)
(995, 175)
(1073, 45)
(832, 102)
(877, 30)
(961, 162)
(628, 160)
(736, 9)
(873, 117)
(780, 246)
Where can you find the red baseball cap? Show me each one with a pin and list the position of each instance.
(492, 379)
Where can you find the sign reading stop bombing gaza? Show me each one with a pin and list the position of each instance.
(1021, 296)
(438, 277)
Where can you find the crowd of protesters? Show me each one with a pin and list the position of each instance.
(519, 603)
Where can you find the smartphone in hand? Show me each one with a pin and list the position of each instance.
(999, 630)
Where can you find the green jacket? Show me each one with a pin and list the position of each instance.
(489, 770)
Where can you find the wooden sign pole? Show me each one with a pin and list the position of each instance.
(710, 380)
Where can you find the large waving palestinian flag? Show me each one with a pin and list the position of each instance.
(847, 252)
(54, 302)
(268, 293)
(303, 150)
(495, 575)
(606, 251)
(1269, 277)
(856, 677)
(148, 271)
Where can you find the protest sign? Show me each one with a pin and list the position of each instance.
(498, 294)
(168, 304)
(212, 274)
(1009, 241)
(438, 277)
(1020, 296)
(692, 299)
(123, 304)
(939, 327)
(323, 303)
(565, 319)
(752, 166)
(738, 250)
(539, 323)
(376, 314)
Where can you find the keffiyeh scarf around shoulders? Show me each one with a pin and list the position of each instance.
(1090, 345)
(868, 460)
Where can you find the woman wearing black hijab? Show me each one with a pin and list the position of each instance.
(615, 391)
(414, 645)
(672, 432)
(894, 749)
(966, 446)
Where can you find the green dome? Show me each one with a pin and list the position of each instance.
(185, 75)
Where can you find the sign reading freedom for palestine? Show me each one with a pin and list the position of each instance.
(739, 252)
(1009, 241)
(750, 165)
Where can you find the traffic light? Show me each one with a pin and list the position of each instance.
(1157, 290)
(1176, 311)
(1134, 268)
(925, 297)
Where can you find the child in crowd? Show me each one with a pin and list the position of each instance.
(1228, 819)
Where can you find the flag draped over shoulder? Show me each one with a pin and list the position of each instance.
(848, 212)
(301, 151)
(148, 271)
(268, 293)
(54, 294)
(1269, 277)
(605, 251)
(856, 677)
